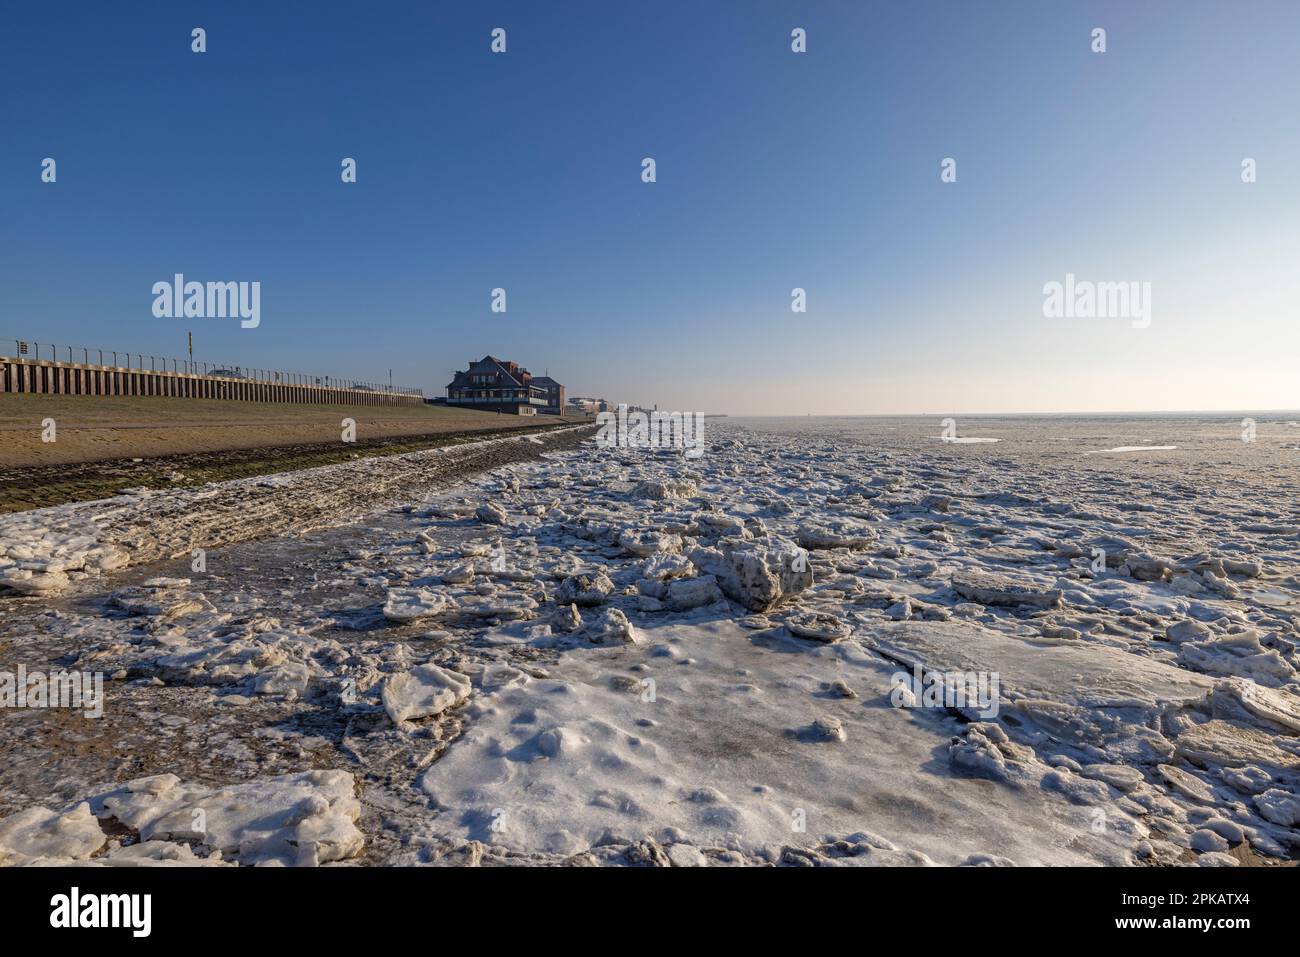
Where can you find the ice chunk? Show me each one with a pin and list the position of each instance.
(410, 604)
(39, 832)
(422, 692)
(988, 589)
(758, 574)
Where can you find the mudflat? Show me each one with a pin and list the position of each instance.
(98, 428)
(106, 444)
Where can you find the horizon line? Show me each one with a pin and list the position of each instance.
(940, 415)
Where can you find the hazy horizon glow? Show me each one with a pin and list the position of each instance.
(775, 170)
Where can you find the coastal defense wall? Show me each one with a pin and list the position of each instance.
(70, 378)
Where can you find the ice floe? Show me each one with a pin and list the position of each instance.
(624, 657)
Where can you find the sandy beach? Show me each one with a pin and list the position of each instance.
(824, 641)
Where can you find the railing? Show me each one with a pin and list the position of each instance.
(49, 352)
(462, 400)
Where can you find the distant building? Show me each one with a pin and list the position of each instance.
(497, 385)
(589, 406)
(554, 395)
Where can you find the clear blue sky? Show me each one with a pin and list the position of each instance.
(775, 170)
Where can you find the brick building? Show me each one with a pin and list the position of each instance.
(554, 395)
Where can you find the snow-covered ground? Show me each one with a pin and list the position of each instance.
(626, 656)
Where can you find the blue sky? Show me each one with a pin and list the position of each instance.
(775, 170)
